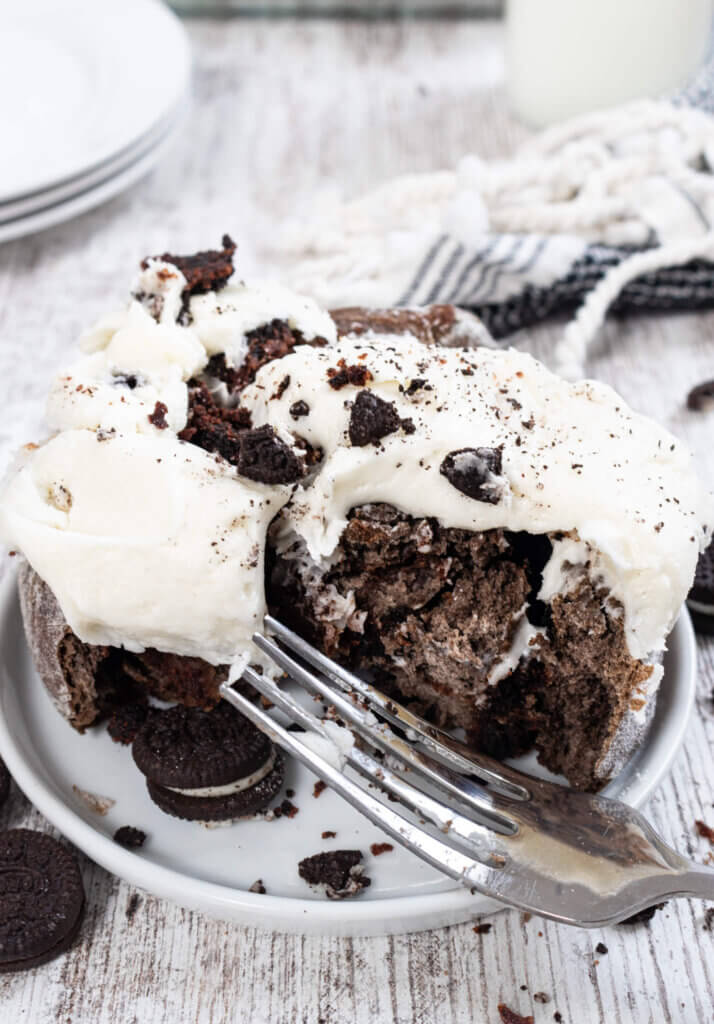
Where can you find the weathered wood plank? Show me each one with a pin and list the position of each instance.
(285, 109)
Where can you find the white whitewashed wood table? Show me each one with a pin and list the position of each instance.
(282, 109)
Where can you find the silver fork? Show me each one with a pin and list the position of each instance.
(574, 857)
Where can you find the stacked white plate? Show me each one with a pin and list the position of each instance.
(91, 94)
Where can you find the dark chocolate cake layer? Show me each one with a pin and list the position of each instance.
(433, 613)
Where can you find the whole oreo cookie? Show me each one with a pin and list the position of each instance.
(4, 782)
(207, 765)
(700, 599)
(41, 899)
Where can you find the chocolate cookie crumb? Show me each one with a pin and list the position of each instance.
(709, 920)
(601, 948)
(158, 416)
(126, 721)
(372, 419)
(701, 596)
(482, 929)
(258, 887)
(339, 377)
(286, 809)
(701, 397)
(204, 271)
(340, 871)
(131, 838)
(509, 1016)
(266, 459)
(213, 427)
(541, 997)
(471, 471)
(557, 1017)
(132, 906)
(643, 916)
(4, 782)
(377, 849)
(319, 788)
(298, 409)
(328, 834)
(281, 388)
(705, 831)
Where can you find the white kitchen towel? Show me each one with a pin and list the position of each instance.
(609, 212)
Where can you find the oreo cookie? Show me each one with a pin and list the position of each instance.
(4, 782)
(41, 899)
(207, 765)
(700, 599)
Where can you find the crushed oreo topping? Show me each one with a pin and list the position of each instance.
(258, 887)
(264, 344)
(266, 459)
(298, 409)
(343, 375)
(130, 837)
(372, 419)
(471, 471)
(204, 271)
(340, 871)
(127, 380)
(158, 416)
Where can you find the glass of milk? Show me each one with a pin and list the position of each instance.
(569, 56)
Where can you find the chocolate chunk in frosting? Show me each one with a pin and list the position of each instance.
(266, 459)
(472, 471)
(372, 419)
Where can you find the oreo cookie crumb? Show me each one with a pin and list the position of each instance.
(286, 809)
(377, 849)
(643, 916)
(158, 416)
(319, 788)
(258, 887)
(133, 904)
(509, 1016)
(701, 397)
(338, 378)
(298, 409)
(702, 592)
(708, 919)
(281, 388)
(4, 782)
(482, 929)
(471, 471)
(340, 871)
(557, 1017)
(41, 899)
(541, 997)
(204, 271)
(601, 948)
(328, 834)
(266, 459)
(372, 419)
(704, 830)
(290, 793)
(126, 721)
(130, 837)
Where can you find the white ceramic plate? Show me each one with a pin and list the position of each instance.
(80, 81)
(212, 869)
(102, 186)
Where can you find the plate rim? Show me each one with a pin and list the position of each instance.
(380, 916)
(177, 41)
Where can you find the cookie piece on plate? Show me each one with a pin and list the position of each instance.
(41, 899)
(207, 765)
(700, 600)
(341, 872)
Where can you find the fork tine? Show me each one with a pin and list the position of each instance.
(434, 851)
(379, 734)
(461, 758)
(480, 841)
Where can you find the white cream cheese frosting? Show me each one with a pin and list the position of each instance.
(149, 541)
(574, 459)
